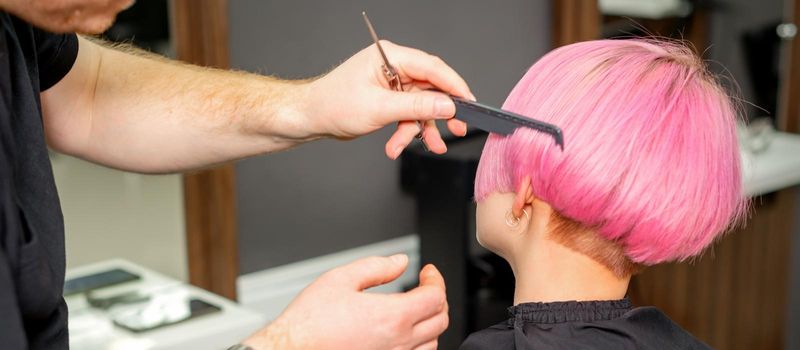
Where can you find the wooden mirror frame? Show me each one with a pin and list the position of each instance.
(200, 33)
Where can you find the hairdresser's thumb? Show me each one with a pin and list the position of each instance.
(430, 276)
(418, 105)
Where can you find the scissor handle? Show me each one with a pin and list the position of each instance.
(393, 78)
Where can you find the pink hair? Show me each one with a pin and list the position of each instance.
(651, 159)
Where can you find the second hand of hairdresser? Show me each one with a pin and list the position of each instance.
(141, 113)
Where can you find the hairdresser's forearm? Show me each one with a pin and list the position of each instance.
(152, 115)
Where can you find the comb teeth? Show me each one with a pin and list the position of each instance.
(502, 122)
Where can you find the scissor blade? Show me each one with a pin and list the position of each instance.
(375, 38)
(501, 122)
(369, 27)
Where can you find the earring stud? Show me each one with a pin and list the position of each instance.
(513, 221)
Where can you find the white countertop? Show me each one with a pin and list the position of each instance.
(91, 329)
(775, 168)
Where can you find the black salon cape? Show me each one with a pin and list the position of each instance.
(583, 325)
(33, 314)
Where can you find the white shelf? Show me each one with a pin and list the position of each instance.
(91, 329)
(776, 168)
(652, 9)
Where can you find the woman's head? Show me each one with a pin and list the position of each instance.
(651, 160)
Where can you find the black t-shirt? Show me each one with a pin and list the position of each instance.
(612, 324)
(32, 310)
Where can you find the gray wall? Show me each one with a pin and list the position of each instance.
(328, 196)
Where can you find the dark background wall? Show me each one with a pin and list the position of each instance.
(330, 195)
(730, 22)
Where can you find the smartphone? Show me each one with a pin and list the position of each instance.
(197, 308)
(98, 280)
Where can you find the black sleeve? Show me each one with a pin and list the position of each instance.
(56, 55)
(12, 331)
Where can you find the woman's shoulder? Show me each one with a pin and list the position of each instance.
(657, 330)
(499, 336)
(639, 328)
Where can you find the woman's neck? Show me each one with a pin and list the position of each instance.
(547, 271)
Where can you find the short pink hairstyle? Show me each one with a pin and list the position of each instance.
(651, 159)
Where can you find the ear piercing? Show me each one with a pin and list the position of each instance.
(513, 221)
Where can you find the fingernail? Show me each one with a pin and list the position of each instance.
(444, 107)
(399, 259)
(473, 97)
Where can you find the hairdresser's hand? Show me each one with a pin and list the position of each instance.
(334, 312)
(354, 99)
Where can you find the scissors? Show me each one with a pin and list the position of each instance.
(391, 73)
(483, 117)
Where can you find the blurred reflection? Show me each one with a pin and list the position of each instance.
(741, 39)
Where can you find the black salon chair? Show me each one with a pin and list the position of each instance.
(480, 285)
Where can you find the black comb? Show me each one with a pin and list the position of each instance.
(501, 122)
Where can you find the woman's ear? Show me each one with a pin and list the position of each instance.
(523, 197)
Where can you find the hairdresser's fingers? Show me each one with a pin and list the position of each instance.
(415, 105)
(457, 127)
(430, 276)
(432, 137)
(406, 133)
(417, 85)
(432, 312)
(428, 299)
(428, 331)
(368, 272)
(420, 65)
(431, 345)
